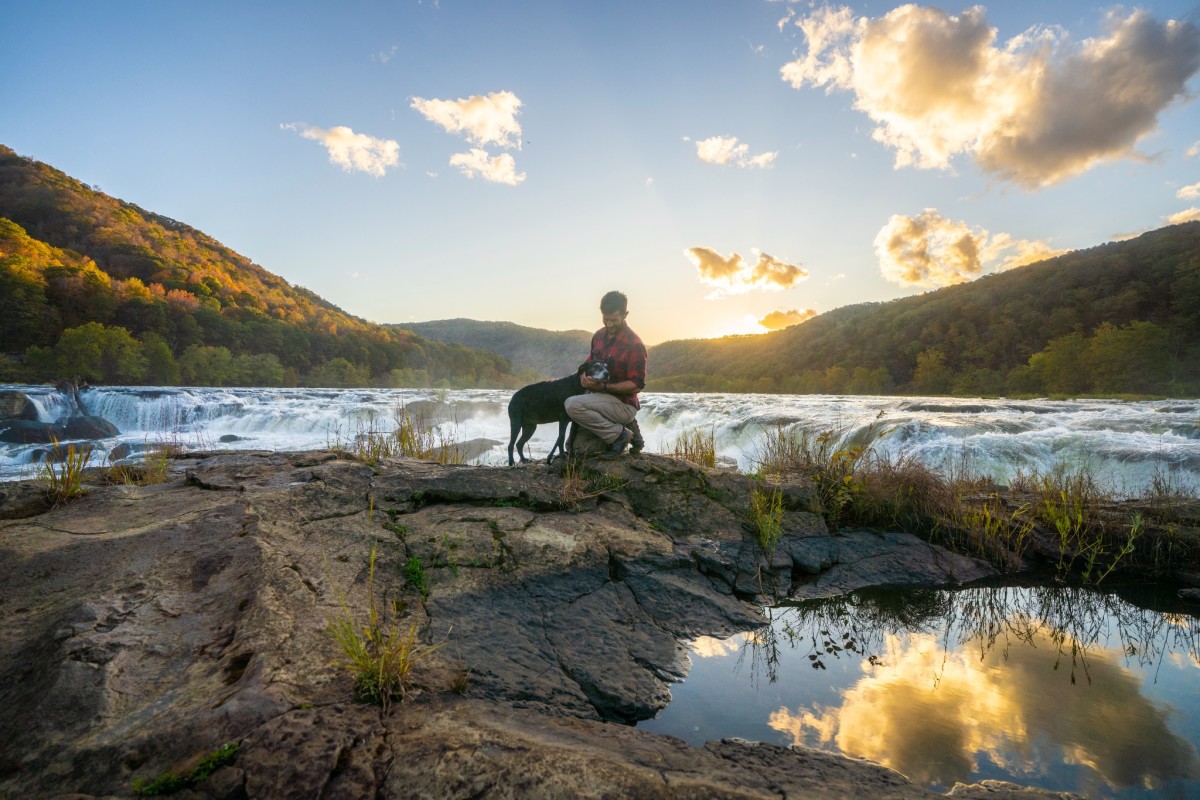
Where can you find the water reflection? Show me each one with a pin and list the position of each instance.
(1058, 687)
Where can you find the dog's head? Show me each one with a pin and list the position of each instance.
(596, 370)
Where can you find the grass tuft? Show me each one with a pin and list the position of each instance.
(380, 654)
(64, 472)
(766, 517)
(695, 445)
(169, 782)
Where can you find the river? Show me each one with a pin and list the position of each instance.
(1125, 445)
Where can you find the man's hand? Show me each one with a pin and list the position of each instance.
(588, 382)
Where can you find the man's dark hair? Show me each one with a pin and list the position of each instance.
(614, 301)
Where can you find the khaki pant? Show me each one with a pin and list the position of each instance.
(602, 414)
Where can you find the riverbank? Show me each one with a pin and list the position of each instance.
(146, 626)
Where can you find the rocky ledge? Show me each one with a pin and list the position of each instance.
(143, 627)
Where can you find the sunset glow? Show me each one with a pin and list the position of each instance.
(733, 168)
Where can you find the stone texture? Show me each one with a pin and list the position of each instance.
(142, 627)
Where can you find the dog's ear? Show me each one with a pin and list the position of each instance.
(582, 368)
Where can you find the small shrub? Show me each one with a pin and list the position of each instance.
(380, 654)
(694, 445)
(169, 782)
(155, 467)
(414, 436)
(831, 469)
(64, 471)
(766, 517)
(414, 572)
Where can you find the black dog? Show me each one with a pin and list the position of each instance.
(543, 402)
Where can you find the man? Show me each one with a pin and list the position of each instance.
(609, 409)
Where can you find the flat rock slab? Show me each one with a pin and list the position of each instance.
(142, 627)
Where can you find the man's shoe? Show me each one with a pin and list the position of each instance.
(618, 445)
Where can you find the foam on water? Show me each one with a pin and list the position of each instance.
(1124, 443)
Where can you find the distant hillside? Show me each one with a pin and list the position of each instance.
(551, 354)
(95, 288)
(1119, 318)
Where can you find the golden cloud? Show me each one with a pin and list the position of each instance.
(353, 152)
(932, 251)
(725, 150)
(1035, 110)
(480, 119)
(778, 320)
(710, 647)
(1191, 192)
(735, 276)
(1190, 215)
(969, 707)
(477, 163)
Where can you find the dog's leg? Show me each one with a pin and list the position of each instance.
(562, 435)
(526, 434)
(515, 428)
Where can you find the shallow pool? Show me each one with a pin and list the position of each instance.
(1062, 688)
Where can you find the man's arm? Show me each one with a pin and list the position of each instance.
(611, 387)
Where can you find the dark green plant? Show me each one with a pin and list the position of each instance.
(169, 782)
(766, 517)
(414, 572)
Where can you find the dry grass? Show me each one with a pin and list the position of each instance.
(859, 485)
(413, 436)
(63, 470)
(380, 654)
(695, 445)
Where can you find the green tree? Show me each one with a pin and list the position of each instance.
(339, 372)
(259, 369)
(931, 375)
(205, 365)
(98, 352)
(161, 367)
(1060, 367)
(1130, 358)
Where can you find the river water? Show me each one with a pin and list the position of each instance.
(1064, 688)
(1124, 444)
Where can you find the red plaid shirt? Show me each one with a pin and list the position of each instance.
(626, 358)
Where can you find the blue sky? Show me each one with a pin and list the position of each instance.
(723, 163)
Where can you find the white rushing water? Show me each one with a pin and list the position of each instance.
(1125, 444)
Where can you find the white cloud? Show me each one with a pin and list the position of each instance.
(1191, 192)
(1191, 215)
(477, 163)
(929, 250)
(733, 275)
(1034, 110)
(481, 120)
(384, 56)
(1194, 150)
(778, 320)
(353, 152)
(725, 150)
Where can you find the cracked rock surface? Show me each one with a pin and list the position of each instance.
(143, 627)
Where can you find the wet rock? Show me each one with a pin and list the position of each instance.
(142, 627)
(17, 405)
(19, 431)
(90, 427)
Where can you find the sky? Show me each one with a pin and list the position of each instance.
(733, 166)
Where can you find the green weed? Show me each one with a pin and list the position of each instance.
(380, 654)
(414, 572)
(169, 782)
(694, 445)
(64, 472)
(766, 517)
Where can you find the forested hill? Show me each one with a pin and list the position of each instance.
(1119, 318)
(95, 288)
(551, 354)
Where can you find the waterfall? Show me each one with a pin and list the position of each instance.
(1125, 444)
